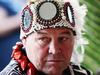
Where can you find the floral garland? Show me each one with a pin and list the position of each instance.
(21, 58)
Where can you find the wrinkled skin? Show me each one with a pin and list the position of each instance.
(50, 50)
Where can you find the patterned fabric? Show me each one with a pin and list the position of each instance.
(14, 69)
(11, 69)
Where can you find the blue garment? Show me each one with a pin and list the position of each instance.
(8, 41)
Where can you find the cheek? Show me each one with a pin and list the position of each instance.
(36, 54)
(32, 52)
(67, 49)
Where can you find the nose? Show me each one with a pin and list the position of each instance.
(54, 47)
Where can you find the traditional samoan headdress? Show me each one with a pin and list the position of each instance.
(43, 14)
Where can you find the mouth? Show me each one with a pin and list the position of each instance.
(55, 61)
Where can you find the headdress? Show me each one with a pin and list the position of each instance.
(45, 14)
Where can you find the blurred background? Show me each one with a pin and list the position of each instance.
(10, 20)
(92, 50)
(9, 31)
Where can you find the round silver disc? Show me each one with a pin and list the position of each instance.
(47, 11)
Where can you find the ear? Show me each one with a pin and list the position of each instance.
(24, 42)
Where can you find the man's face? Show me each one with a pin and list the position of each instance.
(50, 50)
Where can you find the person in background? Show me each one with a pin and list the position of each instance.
(10, 19)
(49, 34)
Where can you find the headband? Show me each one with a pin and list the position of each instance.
(46, 14)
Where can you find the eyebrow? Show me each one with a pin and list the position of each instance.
(39, 32)
(62, 33)
(65, 32)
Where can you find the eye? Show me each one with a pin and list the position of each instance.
(63, 39)
(43, 40)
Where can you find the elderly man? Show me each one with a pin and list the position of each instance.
(48, 32)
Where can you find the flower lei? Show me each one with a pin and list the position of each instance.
(21, 58)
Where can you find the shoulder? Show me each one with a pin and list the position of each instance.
(11, 69)
(79, 70)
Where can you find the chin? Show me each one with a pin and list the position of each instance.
(53, 70)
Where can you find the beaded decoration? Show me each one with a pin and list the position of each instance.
(68, 12)
(27, 19)
(49, 17)
(47, 14)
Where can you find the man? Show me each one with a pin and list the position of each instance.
(48, 34)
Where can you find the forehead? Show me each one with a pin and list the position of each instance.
(55, 31)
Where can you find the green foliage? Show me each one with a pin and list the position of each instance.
(92, 51)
